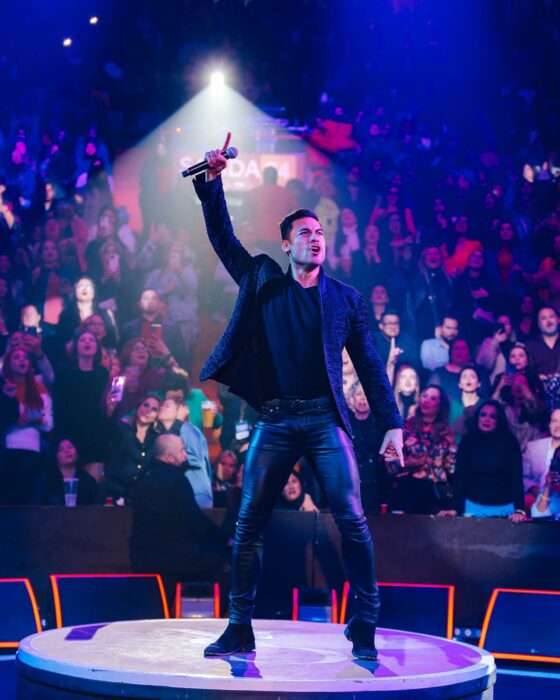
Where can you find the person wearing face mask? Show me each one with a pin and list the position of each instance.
(170, 534)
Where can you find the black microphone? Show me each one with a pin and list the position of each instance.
(201, 167)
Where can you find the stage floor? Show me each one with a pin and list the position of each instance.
(164, 659)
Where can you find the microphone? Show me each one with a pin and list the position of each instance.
(202, 167)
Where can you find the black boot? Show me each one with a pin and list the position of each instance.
(362, 636)
(235, 638)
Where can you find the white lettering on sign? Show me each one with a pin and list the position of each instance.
(245, 172)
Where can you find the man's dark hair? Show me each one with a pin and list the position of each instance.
(288, 220)
(270, 175)
(390, 312)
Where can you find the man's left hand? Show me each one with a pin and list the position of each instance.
(395, 438)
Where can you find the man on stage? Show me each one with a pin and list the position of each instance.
(282, 353)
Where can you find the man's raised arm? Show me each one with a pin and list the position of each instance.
(229, 249)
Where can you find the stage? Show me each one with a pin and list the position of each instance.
(164, 659)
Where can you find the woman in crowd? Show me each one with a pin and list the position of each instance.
(177, 284)
(117, 287)
(82, 305)
(527, 326)
(369, 264)
(525, 412)
(293, 493)
(133, 441)
(141, 377)
(447, 377)
(224, 478)
(489, 472)
(462, 409)
(429, 293)
(474, 297)
(104, 231)
(78, 402)
(23, 460)
(176, 385)
(519, 362)
(49, 283)
(429, 457)
(50, 487)
(407, 390)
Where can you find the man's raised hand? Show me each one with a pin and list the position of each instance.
(216, 160)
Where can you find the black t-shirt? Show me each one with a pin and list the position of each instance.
(289, 341)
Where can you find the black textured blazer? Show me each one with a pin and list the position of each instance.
(344, 323)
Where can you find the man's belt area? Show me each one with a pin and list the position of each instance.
(299, 405)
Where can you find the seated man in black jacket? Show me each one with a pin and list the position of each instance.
(170, 534)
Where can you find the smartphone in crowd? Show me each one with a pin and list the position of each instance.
(117, 387)
(156, 330)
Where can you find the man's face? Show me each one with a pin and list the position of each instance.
(432, 258)
(390, 325)
(449, 329)
(460, 353)
(554, 425)
(548, 322)
(177, 453)
(359, 401)
(307, 243)
(30, 317)
(149, 301)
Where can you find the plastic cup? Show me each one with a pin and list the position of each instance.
(70, 492)
(207, 414)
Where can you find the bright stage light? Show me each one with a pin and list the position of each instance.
(217, 79)
(93, 20)
(66, 42)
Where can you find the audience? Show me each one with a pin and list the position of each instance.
(436, 240)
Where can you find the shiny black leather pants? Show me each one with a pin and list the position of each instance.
(281, 436)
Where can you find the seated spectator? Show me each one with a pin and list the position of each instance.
(379, 300)
(474, 298)
(33, 345)
(447, 377)
(50, 486)
(429, 294)
(434, 352)
(544, 349)
(141, 377)
(367, 440)
(407, 390)
(368, 268)
(176, 385)
(537, 458)
(82, 305)
(469, 385)
(133, 443)
(459, 247)
(548, 500)
(176, 284)
(525, 412)
(8, 307)
(23, 461)
(518, 362)
(173, 418)
(224, 477)
(104, 231)
(162, 336)
(494, 350)
(345, 242)
(170, 534)
(429, 457)
(293, 494)
(488, 476)
(390, 335)
(238, 418)
(78, 394)
(49, 283)
(117, 285)
(526, 328)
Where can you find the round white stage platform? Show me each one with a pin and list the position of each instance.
(164, 659)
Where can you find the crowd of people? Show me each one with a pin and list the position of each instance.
(454, 243)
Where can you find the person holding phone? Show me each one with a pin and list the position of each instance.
(282, 353)
(23, 460)
(161, 335)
